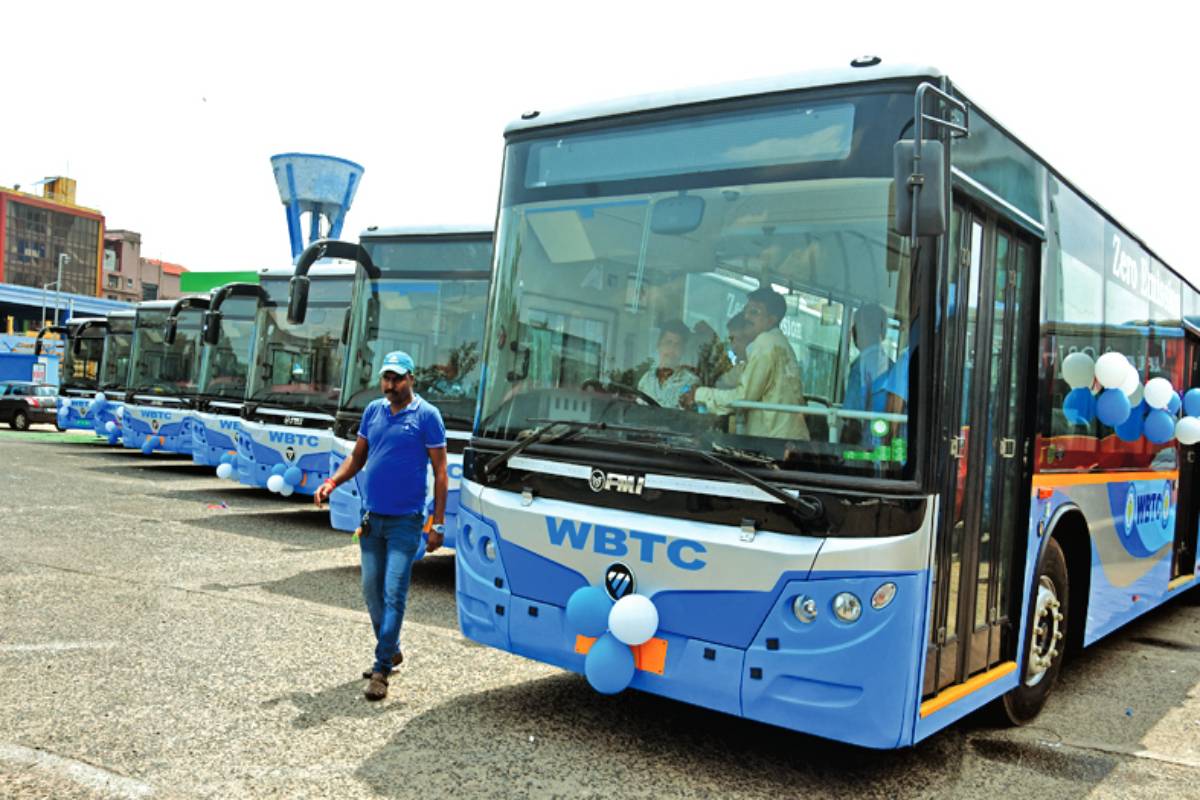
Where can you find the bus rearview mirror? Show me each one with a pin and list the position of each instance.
(212, 327)
(931, 196)
(674, 216)
(169, 329)
(298, 299)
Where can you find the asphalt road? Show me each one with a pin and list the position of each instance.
(164, 633)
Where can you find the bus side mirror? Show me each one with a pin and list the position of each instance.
(77, 345)
(212, 327)
(346, 326)
(298, 299)
(931, 198)
(169, 330)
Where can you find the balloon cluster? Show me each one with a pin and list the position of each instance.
(284, 479)
(225, 467)
(97, 405)
(616, 627)
(1124, 404)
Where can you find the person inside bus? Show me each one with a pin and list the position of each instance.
(738, 330)
(771, 374)
(668, 378)
(868, 378)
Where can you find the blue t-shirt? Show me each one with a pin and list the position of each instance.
(397, 455)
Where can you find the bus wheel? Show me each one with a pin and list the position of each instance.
(1045, 639)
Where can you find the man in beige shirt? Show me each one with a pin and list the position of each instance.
(771, 374)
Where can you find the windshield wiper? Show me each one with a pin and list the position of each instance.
(542, 434)
(807, 509)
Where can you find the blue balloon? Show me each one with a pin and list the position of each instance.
(587, 611)
(293, 475)
(148, 445)
(113, 437)
(1191, 403)
(609, 665)
(279, 469)
(1079, 406)
(1131, 429)
(1159, 426)
(1174, 404)
(1112, 407)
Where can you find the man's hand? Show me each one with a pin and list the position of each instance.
(688, 399)
(321, 495)
(434, 540)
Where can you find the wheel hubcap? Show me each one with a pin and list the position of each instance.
(1047, 632)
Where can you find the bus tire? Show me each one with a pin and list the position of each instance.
(19, 421)
(1045, 638)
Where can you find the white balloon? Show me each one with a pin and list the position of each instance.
(633, 619)
(1158, 392)
(1111, 370)
(1187, 430)
(224, 470)
(101, 397)
(120, 412)
(110, 426)
(1078, 370)
(287, 489)
(1132, 381)
(275, 483)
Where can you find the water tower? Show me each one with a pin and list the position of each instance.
(317, 185)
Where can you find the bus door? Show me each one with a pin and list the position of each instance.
(1187, 514)
(988, 335)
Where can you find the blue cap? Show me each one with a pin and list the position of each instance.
(398, 362)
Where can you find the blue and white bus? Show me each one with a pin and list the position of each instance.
(422, 290)
(107, 406)
(885, 511)
(164, 366)
(295, 377)
(79, 369)
(229, 335)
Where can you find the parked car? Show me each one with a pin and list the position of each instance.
(25, 402)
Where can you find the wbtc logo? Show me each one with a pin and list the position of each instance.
(619, 581)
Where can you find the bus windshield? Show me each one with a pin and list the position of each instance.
(300, 366)
(81, 370)
(161, 368)
(430, 302)
(729, 276)
(114, 370)
(226, 365)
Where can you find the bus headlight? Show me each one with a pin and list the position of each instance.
(805, 608)
(883, 595)
(847, 607)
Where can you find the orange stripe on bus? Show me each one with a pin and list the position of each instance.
(650, 656)
(1085, 478)
(955, 693)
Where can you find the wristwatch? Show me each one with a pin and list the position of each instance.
(438, 528)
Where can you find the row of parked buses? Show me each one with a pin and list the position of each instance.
(821, 401)
(269, 389)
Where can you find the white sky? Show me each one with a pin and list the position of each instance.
(166, 113)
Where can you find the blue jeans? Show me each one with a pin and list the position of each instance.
(388, 551)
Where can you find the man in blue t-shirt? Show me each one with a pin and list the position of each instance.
(399, 437)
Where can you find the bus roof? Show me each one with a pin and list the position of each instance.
(154, 305)
(376, 232)
(338, 267)
(724, 91)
